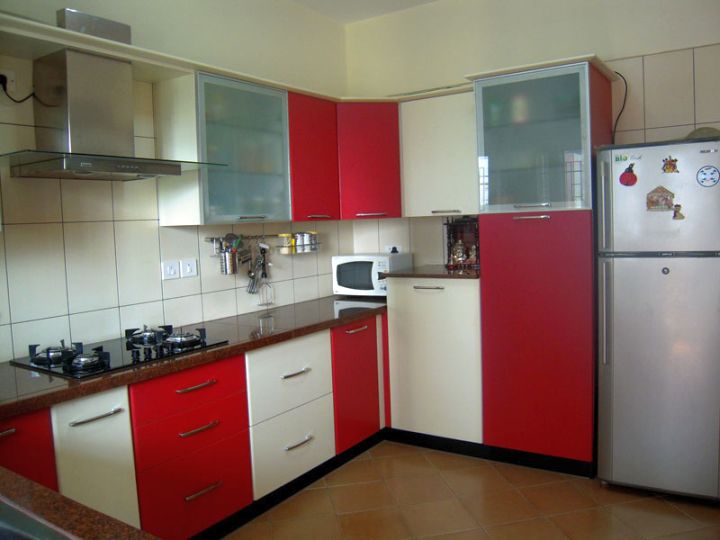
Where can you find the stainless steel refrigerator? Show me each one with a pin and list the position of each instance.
(659, 316)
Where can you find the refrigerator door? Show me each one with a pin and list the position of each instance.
(639, 212)
(660, 374)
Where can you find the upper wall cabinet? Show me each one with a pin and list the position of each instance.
(369, 160)
(221, 120)
(313, 158)
(439, 167)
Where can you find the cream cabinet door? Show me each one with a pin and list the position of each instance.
(438, 139)
(94, 453)
(435, 366)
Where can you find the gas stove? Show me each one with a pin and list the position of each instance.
(138, 347)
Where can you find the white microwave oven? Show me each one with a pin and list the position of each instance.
(359, 274)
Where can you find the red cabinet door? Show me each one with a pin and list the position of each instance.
(314, 180)
(355, 383)
(26, 447)
(537, 332)
(369, 159)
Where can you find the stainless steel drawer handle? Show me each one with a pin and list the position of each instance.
(445, 211)
(203, 491)
(200, 386)
(319, 216)
(303, 371)
(199, 430)
(428, 288)
(116, 410)
(252, 217)
(533, 205)
(306, 440)
(356, 330)
(521, 218)
(7, 432)
(371, 214)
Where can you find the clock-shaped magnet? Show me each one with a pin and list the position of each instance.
(708, 176)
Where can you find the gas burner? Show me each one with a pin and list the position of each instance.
(88, 362)
(53, 356)
(147, 337)
(184, 341)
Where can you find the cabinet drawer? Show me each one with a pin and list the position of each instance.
(186, 432)
(26, 447)
(165, 396)
(182, 497)
(291, 444)
(287, 375)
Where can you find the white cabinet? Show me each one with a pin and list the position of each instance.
(94, 453)
(435, 365)
(439, 156)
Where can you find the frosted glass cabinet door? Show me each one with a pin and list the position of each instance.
(534, 139)
(244, 126)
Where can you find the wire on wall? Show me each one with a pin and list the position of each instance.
(621, 108)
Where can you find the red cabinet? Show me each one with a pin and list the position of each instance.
(26, 447)
(369, 160)
(355, 383)
(313, 158)
(537, 332)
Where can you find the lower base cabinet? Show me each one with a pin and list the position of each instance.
(26, 447)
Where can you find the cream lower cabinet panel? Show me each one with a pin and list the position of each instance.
(435, 366)
(283, 376)
(439, 156)
(291, 444)
(94, 453)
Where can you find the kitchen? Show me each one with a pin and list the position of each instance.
(47, 222)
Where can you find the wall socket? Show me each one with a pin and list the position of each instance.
(170, 269)
(389, 248)
(188, 268)
(10, 74)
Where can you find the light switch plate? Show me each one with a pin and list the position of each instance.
(188, 268)
(389, 248)
(170, 269)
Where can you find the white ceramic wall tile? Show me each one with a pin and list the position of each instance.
(31, 200)
(669, 99)
(4, 297)
(144, 147)
(14, 138)
(346, 240)
(305, 265)
(18, 113)
(427, 238)
(135, 316)
(283, 292)
(394, 232)
(633, 116)
(366, 236)
(247, 303)
(667, 133)
(185, 310)
(635, 136)
(85, 200)
(143, 108)
(707, 84)
(217, 305)
(138, 261)
(36, 271)
(305, 288)
(6, 349)
(329, 240)
(178, 243)
(90, 263)
(95, 325)
(136, 199)
(210, 277)
(325, 285)
(715, 125)
(44, 332)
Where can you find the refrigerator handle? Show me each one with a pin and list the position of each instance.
(605, 311)
(605, 210)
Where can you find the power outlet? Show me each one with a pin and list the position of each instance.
(10, 75)
(188, 268)
(390, 247)
(170, 269)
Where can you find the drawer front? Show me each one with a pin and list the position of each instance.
(171, 394)
(187, 432)
(26, 447)
(291, 444)
(182, 497)
(286, 375)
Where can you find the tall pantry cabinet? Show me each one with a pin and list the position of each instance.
(536, 134)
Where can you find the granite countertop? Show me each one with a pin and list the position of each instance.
(23, 391)
(434, 271)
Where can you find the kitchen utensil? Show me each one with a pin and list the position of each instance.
(266, 294)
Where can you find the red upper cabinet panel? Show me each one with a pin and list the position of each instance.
(313, 158)
(26, 447)
(369, 157)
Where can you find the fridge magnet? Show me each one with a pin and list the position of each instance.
(670, 165)
(677, 214)
(660, 199)
(628, 178)
(708, 176)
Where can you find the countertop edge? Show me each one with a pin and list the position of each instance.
(436, 271)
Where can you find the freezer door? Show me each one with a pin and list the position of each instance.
(631, 226)
(663, 366)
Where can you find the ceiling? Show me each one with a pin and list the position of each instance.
(347, 11)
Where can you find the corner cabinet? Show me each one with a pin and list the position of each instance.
(26, 447)
(219, 120)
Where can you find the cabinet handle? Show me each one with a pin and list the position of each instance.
(200, 386)
(533, 205)
(544, 217)
(445, 211)
(7, 432)
(306, 440)
(203, 491)
(199, 430)
(319, 216)
(356, 330)
(371, 214)
(262, 216)
(116, 410)
(428, 287)
(303, 371)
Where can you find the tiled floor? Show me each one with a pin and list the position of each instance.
(396, 491)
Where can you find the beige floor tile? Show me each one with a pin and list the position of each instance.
(445, 461)
(317, 484)
(704, 511)
(527, 476)
(537, 529)
(474, 534)
(710, 533)
(386, 524)
(255, 530)
(419, 489)
(593, 524)
(354, 471)
(607, 494)
(499, 507)
(475, 481)
(365, 455)
(654, 517)
(359, 497)
(557, 497)
(389, 448)
(319, 528)
(307, 503)
(404, 465)
(438, 517)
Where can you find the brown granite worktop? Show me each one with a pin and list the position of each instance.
(22, 390)
(434, 271)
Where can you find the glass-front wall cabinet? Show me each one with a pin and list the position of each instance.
(534, 140)
(244, 126)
